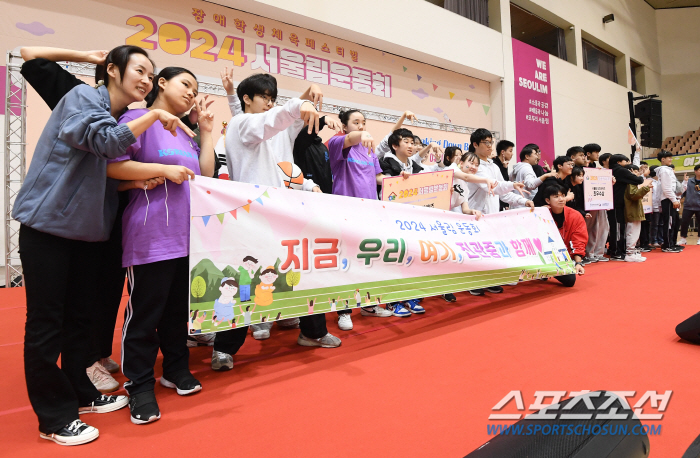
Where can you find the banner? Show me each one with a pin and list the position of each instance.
(260, 253)
(431, 189)
(598, 189)
(533, 99)
(683, 163)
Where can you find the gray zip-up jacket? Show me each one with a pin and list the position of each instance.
(66, 192)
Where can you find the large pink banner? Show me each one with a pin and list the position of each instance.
(533, 99)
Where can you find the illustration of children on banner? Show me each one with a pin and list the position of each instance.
(246, 273)
(223, 306)
(263, 291)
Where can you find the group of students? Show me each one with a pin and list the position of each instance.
(107, 196)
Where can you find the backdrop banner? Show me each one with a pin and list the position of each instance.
(533, 99)
(260, 253)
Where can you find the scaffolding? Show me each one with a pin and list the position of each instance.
(15, 162)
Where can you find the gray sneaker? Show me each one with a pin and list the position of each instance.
(289, 323)
(327, 341)
(261, 331)
(221, 361)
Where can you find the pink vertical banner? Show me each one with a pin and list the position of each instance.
(533, 99)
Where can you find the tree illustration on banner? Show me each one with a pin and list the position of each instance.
(199, 287)
(293, 278)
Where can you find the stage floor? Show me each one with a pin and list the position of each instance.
(418, 386)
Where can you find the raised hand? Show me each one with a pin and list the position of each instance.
(310, 115)
(194, 114)
(96, 57)
(205, 118)
(227, 80)
(409, 115)
(316, 95)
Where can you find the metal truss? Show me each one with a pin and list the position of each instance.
(15, 162)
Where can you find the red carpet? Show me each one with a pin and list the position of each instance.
(419, 386)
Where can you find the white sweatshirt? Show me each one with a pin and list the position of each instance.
(523, 171)
(667, 181)
(255, 143)
(479, 198)
(656, 197)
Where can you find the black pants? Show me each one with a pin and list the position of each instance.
(111, 287)
(567, 280)
(312, 326)
(60, 276)
(616, 239)
(156, 317)
(685, 221)
(645, 234)
(669, 216)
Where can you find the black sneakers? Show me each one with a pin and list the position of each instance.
(494, 289)
(74, 433)
(477, 292)
(449, 297)
(184, 384)
(104, 404)
(144, 408)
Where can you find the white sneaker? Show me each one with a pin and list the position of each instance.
(109, 364)
(634, 258)
(345, 322)
(698, 241)
(375, 311)
(100, 377)
(74, 433)
(682, 241)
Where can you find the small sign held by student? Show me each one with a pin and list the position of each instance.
(598, 189)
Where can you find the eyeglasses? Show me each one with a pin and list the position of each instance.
(487, 143)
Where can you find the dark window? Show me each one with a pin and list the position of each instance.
(598, 61)
(537, 32)
(476, 10)
(636, 69)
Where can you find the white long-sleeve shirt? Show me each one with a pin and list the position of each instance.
(667, 181)
(255, 143)
(479, 198)
(656, 197)
(522, 171)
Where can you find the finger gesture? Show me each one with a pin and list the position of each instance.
(410, 116)
(368, 142)
(333, 124)
(194, 113)
(205, 118)
(227, 80)
(171, 122)
(310, 115)
(316, 96)
(520, 187)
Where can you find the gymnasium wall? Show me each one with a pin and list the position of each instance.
(679, 47)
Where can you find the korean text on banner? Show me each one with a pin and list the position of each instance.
(598, 189)
(533, 99)
(431, 189)
(261, 253)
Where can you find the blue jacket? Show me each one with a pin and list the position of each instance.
(692, 196)
(66, 191)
